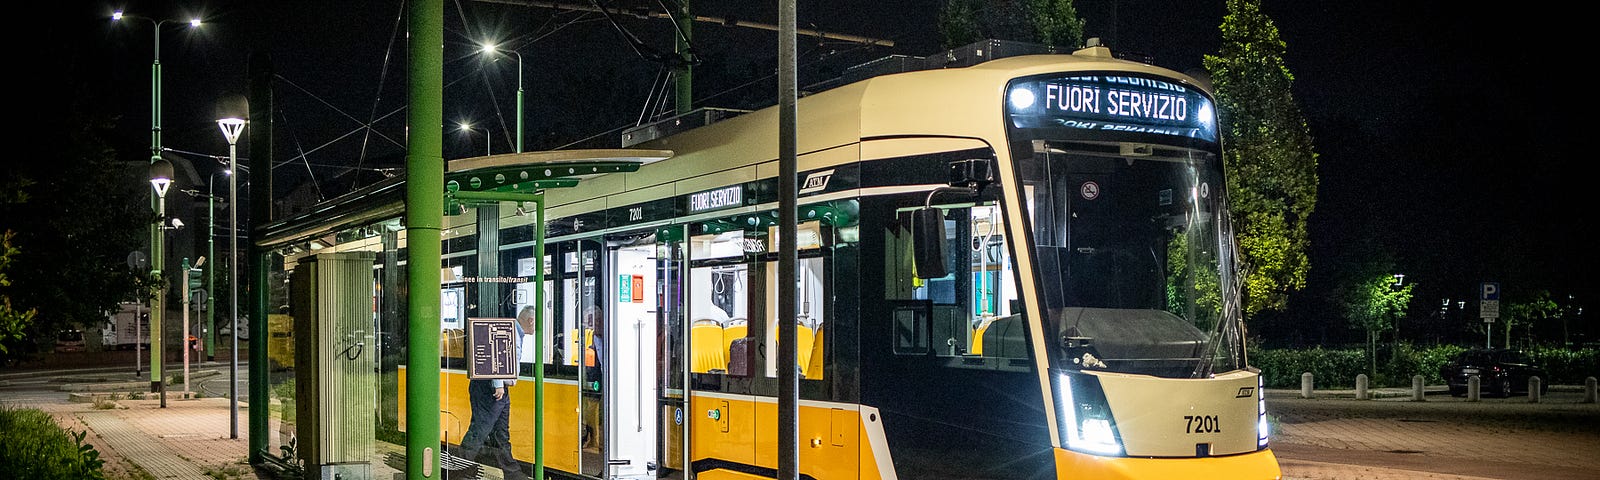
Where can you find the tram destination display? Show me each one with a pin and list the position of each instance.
(1111, 104)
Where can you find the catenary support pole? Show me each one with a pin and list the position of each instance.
(538, 340)
(260, 200)
(788, 372)
(424, 217)
(684, 80)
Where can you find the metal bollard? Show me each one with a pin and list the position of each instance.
(1473, 388)
(1416, 388)
(1305, 385)
(1588, 390)
(1533, 389)
(1361, 387)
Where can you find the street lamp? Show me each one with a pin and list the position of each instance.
(160, 181)
(487, 140)
(231, 127)
(490, 49)
(159, 304)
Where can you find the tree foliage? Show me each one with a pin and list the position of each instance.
(77, 213)
(1373, 305)
(1270, 163)
(12, 321)
(1527, 312)
(1049, 22)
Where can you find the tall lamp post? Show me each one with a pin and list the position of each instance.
(231, 128)
(160, 180)
(159, 304)
(492, 49)
(487, 141)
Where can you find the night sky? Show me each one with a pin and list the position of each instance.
(1448, 133)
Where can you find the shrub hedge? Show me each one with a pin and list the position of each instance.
(1337, 368)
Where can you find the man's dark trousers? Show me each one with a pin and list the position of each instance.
(491, 427)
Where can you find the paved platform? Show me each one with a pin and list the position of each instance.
(1336, 438)
(1329, 437)
(135, 436)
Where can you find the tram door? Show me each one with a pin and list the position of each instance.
(630, 355)
(582, 284)
(672, 335)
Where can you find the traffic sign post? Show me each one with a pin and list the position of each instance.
(1488, 309)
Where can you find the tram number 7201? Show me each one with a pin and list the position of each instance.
(1202, 424)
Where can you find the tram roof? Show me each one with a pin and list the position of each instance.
(952, 103)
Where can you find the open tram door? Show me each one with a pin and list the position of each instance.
(637, 377)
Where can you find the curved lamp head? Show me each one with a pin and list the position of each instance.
(160, 175)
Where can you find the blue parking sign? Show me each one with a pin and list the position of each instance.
(1489, 291)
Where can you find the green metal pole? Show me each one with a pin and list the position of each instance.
(685, 84)
(424, 218)
(260, 200)
(211, 279)
(158, 305)
(538, 338)
(519, 103)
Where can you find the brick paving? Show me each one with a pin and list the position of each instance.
(1443, 438)
(194, 431)
(137, 438)
(1330, 437)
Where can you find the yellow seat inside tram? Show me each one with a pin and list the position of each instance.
(805, 339)
(710, 350)
(814, 365)
(452, 343)
(977, 337)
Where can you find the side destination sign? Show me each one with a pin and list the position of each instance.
(716, 199)
(1111, 103)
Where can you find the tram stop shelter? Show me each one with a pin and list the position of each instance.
(338, 327)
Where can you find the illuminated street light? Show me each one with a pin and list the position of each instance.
(158, 305)
(490, 49)
(160, 181)
(231, 128)
(487, 141)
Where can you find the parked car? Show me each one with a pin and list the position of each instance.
(70, 341)
(1504, 372)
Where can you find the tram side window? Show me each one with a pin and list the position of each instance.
(719, 305)
(524, 296)
(973, 310)
(810, 305)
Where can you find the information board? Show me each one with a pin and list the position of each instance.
(492, 346)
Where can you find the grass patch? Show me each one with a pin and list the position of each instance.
(107, 402)
(227, 472)
(36, 447)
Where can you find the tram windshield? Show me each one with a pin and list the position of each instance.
(1134, 256)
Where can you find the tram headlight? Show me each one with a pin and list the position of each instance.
(1261, 413)
(1021, 98)
(1084, 416)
